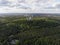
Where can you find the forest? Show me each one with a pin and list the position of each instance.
(16, 30)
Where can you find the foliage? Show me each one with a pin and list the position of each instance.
(38, 31)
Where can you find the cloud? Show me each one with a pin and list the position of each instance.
(36, 6)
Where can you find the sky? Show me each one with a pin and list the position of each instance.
(29, 6)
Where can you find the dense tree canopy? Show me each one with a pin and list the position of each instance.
(38, 31)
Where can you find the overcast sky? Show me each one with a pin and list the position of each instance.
(29, 6)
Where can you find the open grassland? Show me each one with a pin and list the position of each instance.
(34, 31)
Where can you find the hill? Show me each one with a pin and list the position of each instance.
(36, 31)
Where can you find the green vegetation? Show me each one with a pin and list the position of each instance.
(22, 31)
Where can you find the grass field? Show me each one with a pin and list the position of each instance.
(29, 30)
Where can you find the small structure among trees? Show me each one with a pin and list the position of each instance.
(29, 17)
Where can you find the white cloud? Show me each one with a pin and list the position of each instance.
(25, 6)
